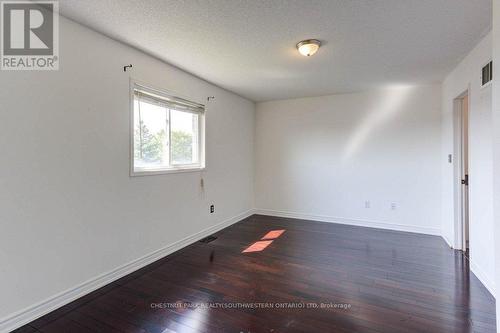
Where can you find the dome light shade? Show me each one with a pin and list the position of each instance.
(308, 47)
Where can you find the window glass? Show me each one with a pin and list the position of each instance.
(184, 137)
(167, 133)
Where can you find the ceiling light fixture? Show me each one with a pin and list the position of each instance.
(308, 47)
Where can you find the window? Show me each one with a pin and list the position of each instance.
(167, 134)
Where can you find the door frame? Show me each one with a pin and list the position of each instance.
(461, 192)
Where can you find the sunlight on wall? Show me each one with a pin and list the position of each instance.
(391, 100)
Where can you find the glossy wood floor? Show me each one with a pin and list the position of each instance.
(388, 281)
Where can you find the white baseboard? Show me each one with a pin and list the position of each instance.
(483, 278)
(31, 313)
(447, 241)
(350, 221)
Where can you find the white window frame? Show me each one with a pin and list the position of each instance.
(173, 168)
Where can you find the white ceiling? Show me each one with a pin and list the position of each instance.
(248, 47)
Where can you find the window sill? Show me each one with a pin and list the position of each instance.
(153, 172)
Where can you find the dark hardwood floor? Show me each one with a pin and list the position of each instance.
(314, 277)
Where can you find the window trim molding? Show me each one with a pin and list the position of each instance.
(176, 168)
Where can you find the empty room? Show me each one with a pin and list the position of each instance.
(249, 166)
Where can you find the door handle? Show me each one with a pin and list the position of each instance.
(466, 180)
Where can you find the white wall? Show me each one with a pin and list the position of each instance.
(467, 75)
(323, 157)
(68, 209)
(496, 143)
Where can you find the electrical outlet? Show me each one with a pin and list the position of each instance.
(367, 204)
(212, 209)
(393, 206)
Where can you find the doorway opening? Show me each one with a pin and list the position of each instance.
(461, 171)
